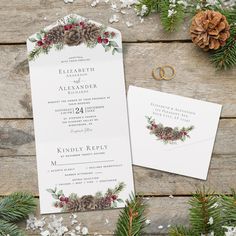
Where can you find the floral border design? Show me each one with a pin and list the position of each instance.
(73, 31)
(99, 201)
(168, 134)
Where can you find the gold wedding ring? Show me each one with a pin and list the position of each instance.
(162, 72)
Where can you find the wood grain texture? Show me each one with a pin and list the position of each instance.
(19, 173)
(161, 211)
(17, 137)
(20, 19)
(195, 78)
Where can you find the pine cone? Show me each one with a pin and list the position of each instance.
(55, 35)
(73, 37)
(87, 202)
(209, 30)
(91, 32)
(73, 205)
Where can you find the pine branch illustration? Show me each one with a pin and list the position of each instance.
(7, 229)
(16, 206)
(131, 220)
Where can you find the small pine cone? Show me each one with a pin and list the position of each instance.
(87, 202)
(158, 131)
(73, 205)
(55, 35)
(167, 131)
(209, 30)
(176, 135)
(91, 32)
(103, 203)
(73, 37)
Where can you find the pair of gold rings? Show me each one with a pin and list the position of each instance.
(165, 72)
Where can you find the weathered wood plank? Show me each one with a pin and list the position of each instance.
(22, 19)
(20, 174)
(195, 78)
(17, 137)
(161, 211)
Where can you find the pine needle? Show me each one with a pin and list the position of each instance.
(171, 22)
(181, 231)
(16, 206)
(225, 57)
(131, 221)
(7, 229)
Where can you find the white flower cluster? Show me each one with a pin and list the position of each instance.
(173, 4)
(231, 231)
(55, 226)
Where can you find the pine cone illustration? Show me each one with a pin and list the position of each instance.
(87, 202)
(55, 35)
(176, 135)
(158, 131)
(209, 30)
(73, 37)
(73, 205)
(91, 32)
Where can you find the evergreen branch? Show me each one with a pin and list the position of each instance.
(181, 231)
(225, 57)
(205, 216)
(7, 229)
(34, 53)
(16, 206)
(131, 221)
(229, 209)
(151, 6)
(171, 17)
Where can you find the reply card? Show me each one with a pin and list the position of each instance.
(172, 133)
(80, 116)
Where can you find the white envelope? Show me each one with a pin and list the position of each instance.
(172, 133)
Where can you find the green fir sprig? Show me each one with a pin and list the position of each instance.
(11, 229)
(14, 208)
(131, 220)
(171, 16)
(210, 214)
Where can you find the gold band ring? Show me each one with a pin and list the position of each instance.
(162, 72)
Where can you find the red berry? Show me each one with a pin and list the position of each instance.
(62, 198)
(106, 34)
(61, 204)
(40, 43)
(99, 39)
(66, 199)
(82, 25)
(114, 197)
(113, 34)
(105, 41)
(55, 204)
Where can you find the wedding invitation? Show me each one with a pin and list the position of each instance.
(80, 116)
(172, 133)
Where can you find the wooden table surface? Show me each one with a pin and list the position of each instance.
(145, 45)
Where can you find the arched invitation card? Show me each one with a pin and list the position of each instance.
(80, 116)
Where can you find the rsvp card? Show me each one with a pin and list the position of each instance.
(80, 116)
(172, 133)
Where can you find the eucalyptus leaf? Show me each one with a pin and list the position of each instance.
(114, 44)
(33, 40)
(38, 36)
